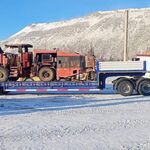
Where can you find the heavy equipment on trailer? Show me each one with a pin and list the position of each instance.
(48, 65)
(130, 79)
(54, 65)
(71, 73)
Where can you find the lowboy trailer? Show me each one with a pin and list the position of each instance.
(130, 78)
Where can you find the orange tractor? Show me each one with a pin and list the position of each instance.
(48, 65)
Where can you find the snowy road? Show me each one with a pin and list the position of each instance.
(93, 122)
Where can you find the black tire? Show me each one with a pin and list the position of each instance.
(3, 74)
(144, 87)
(46, 74)
(125, 88)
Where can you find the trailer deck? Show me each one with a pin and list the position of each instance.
(51, 87)
(132, 76)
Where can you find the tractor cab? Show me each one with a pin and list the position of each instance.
(45, 64)
(22, 56)
(45, 57)
(20, 60)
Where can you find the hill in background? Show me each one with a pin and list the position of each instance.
(104, 31)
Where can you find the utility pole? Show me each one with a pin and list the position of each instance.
(126, 36)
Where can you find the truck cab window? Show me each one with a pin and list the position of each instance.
(47, 57)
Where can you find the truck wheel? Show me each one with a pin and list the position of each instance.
(46, 74)
(3, 74)
(144, 87)
(125, 88)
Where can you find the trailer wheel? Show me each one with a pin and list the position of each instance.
(46, 74)
(117, 81)
(144, 87)
(3, 74)
(125, 88)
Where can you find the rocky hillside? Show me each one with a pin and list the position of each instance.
(103, 30)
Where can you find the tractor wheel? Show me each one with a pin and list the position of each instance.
(46, 74)
(3, 74)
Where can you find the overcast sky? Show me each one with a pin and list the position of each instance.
(16, 14)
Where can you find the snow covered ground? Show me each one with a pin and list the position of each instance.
(81, 122)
